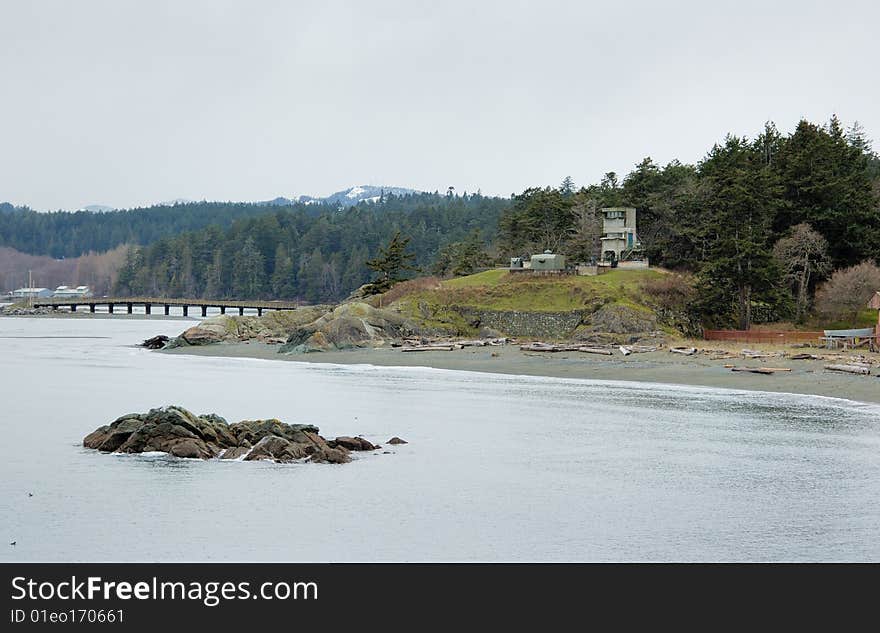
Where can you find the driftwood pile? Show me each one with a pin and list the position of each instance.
(417, 345)
(851, 364)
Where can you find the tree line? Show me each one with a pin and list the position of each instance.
(62, 234)
(315, 257)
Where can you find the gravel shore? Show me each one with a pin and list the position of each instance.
(805, 377)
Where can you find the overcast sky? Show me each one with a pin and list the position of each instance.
(126, 103)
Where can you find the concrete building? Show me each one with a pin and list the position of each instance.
(620, 241)
(547, 261)
(66, 292)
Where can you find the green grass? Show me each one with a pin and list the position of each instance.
(501, 290)
(485, 278)
(864, 318)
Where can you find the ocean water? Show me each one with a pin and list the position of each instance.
(498, 468)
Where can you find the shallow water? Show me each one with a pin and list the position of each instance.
(498, 468)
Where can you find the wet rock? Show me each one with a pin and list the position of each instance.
(277, 449)
(235, 452)
(352, 443)
(190, 447)
(396, 440)
(252, 431)
(181, 433)
(330, 456)
(157, 342)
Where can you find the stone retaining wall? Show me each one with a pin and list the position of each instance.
(542, 325)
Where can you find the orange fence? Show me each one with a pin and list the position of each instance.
(762, 336)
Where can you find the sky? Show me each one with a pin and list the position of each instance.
(126, 103)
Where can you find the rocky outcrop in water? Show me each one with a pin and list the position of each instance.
(179, 432)
(156, 342)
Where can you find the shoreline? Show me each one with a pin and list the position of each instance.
(807, 377)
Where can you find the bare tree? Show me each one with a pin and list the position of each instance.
(848, 290)
(582, 241)
(803, 258)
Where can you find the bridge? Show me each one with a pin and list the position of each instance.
(148, 302)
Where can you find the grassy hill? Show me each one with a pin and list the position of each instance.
(445, 305)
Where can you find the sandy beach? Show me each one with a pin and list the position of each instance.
(805, 377)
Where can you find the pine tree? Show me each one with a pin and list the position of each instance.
(248, 271)
(567, 186)
(740, 207)
(391, 263)
(282, 280)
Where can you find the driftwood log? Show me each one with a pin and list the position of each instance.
(595, 350)
(850, 369)
(687, 351)
(626, 350)
(550, 347)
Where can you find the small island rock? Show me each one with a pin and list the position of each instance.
(178, 432)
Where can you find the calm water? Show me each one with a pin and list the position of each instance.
(499, 468)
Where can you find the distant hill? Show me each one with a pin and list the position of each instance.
(74, 233)
(98, 208)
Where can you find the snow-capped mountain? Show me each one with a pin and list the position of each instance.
(346, 197)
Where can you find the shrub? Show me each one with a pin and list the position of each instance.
(848, 291)
(672, 292)
(402, 289)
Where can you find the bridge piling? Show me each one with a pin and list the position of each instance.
(73, 307)
(204, 311)
(148, 308)
(222, 309)
(259, 311)
(110, 308)
(92, 308)
(167, 309)
(241, 312)
(129, 308)
(185, 310)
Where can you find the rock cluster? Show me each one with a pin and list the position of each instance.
(18, 310)
(348, 326)
(272, 327)
(179, 432)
